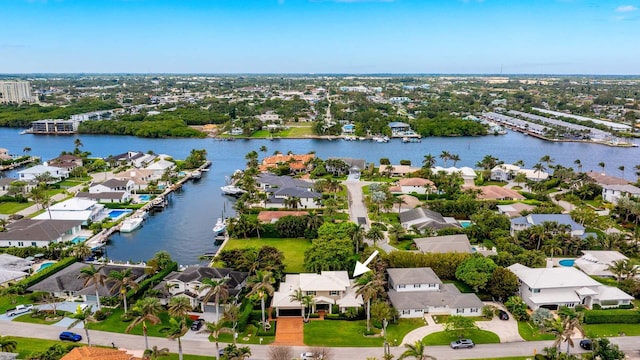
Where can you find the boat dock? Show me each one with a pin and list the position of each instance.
(19, 164)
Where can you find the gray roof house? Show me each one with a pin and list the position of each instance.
(105, 197)
(444, 244)
(66, 283)
(280, 188)
(13, 268)
(423, 218)
(524, 222)
(31, 232)
(418, 291)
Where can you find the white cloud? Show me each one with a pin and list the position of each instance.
(626, 8)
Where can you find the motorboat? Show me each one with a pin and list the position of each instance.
(220, 226)
(131, 224)
(196, 175)
(232, 190)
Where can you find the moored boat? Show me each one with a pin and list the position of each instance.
(232, 190)
(196, 175)
(220, 226)
(131, 224)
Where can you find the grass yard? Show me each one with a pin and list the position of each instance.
(530, 332)
(338, 333)
(402, 244)
(247, 337)
(73, 182)
(13, 207)
(464, 288)
(445, 338)
(27, 318)
(10, 301)
(441, 319)
(114, 324)
(293, 249)
(607, 330)
(300, 130)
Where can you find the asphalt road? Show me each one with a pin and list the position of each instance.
(630, 344)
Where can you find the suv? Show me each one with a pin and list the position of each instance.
(586, 344)
(503, 315)
(462, 343)
(197, 324)
(70, 336)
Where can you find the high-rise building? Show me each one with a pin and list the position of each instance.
(16, 92)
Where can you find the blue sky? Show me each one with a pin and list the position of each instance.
(321, 36)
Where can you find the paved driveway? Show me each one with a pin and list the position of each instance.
(289, 331)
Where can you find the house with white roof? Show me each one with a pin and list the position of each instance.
(613, 193)
(506, 172)
(159, 167)
(467, 173)
(327, 288)
(124, 187)
(554, 287)
(33, 172)
(418, 291)
(415, 185)
(140, 177)
(74, 209)
(597, 262)
(524, 222)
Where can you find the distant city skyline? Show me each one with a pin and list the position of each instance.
(321, 36)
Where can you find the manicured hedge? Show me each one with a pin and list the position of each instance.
(611, 317)
(45, 273)
(243, 319)
(152, 281)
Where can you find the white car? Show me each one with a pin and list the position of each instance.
(307, 356)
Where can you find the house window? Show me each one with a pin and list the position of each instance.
(402, 286)
(334, 293)
(312, 293)
(406, 312)
(534, 291)
(416, 286)
(20, 243)
(33, 243)
(571, 305)
(474, 310)
(176, 286)
(459, 311)
(432, 285)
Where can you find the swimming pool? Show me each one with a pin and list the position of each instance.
(144, 197)
(465, 223)
(44, 266)
(79, 239)
(567, 262)
(116, 214)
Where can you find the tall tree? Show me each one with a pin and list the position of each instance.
(369, 287)
(218, 289)
(262, 285)
(176, 329)
(214, 329)
(93, 275)
(123, 281)
(415, 351)
(84, 316)
(179, 306)
(147, 309)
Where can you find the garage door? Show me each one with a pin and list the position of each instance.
(290, 312)
(550, 307)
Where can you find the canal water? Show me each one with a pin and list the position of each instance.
(184, 227)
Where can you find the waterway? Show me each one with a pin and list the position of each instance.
(184, 227)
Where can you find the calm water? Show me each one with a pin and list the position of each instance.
(184, 227)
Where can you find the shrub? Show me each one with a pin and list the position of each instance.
(611, 317)
(243, 319)
(101, 314)
(41, 275)
(152, 281)
(270, 332)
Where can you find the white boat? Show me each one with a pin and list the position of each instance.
(220, 226)
(131, 224)
(232, 190)
(196, 175)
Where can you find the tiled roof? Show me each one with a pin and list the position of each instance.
(96, 353)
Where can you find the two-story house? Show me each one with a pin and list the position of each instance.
(613, 193)
(67, 162)
(281, 188)
(327, 288)
(33, 172)
(41, 233)
(415, 292)
(565, 286)
(140, 177)
(112, 190)
(75, 208)
(188, 283)
(414, 185)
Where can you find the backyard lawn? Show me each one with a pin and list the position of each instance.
(293, 250)
(300, 130)
(10, 301)
(13, 207)
(445, 338)
(529, 332)
(338, 333)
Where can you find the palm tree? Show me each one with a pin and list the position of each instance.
(622, 269)
(400, 201)
(77, 143)
(148, 309)
(217, 289)
(263, 148)
(429, 161)
(298, 295)
(81, 250)
(26, 150)
(455, 158)
(232, 352)
(83, 316)
(621, 168)
(368, 286)
(93, 275)
(602, 165)
(7, 344)
(122, 281)
(179, 306)
(176, 330)
(445, 155)
(262, 285)
(214, 329)
(357, 235)
(539, 168)
(416, 351)
(232, 314)
(578, 164)
(547, 159)
(155, 353)
(375, 234)
(396, 232)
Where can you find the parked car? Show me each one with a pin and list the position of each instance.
(70, 336)
(586, 344)
(20, 309)
(503, 315)
(197, 324)
(462, 343)
(307, 356)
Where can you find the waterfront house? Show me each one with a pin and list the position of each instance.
(4, 154)
(34, 172)
(400, 129)
(67, 162)
(13, 269)
(414, 185)
(506, 172)
(75, 208)
(603, 179)
(423, 219)
(564, 286)
(444, 244)
(188, 283)
(105, 197)
(597, 262)
(348, 129)
(131, 158)
(296, 163)
(160, 166)
(39, 232)
(237, 131)
(140, 177)
(67, 284)
(525, 222)
(327, 288)
(122, 186)
(613, 193)
(418, 291)
(270, 217)
(269, 116)
(397, 170)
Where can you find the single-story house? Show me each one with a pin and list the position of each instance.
(416, 185)
(506, 172)
(398, 170)
(160, 166)
(270, 217)
(422, 218)
(524, 222)
(418, 291)
(327, 288)
(39, 232)
(596, 262)
(467, 173)
(613, 193)
(565, 286)
(33, 172)
(13, 269)
(494, 192)
(74, 209)
(67, 162)
(514, 210)
(444, 244)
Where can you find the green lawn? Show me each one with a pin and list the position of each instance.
(530, 332)
(607, 330)
(464, 288)
(114, 324)
(10, 301)
(300, 130)
(441, 319)
(293, 250)
(445, 338)
(337, 333)
(73, 182)
(13, 207)
(247, 337)
(27, 318)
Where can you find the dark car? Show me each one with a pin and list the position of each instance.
(70, 336)
(503, 315)
(586, 344)
(462, 344)
(197, 324)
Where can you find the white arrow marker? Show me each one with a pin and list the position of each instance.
(362, 268)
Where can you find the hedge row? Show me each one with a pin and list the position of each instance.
(152, 281)
(45, 273)
(611, 317)
(243, 319)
